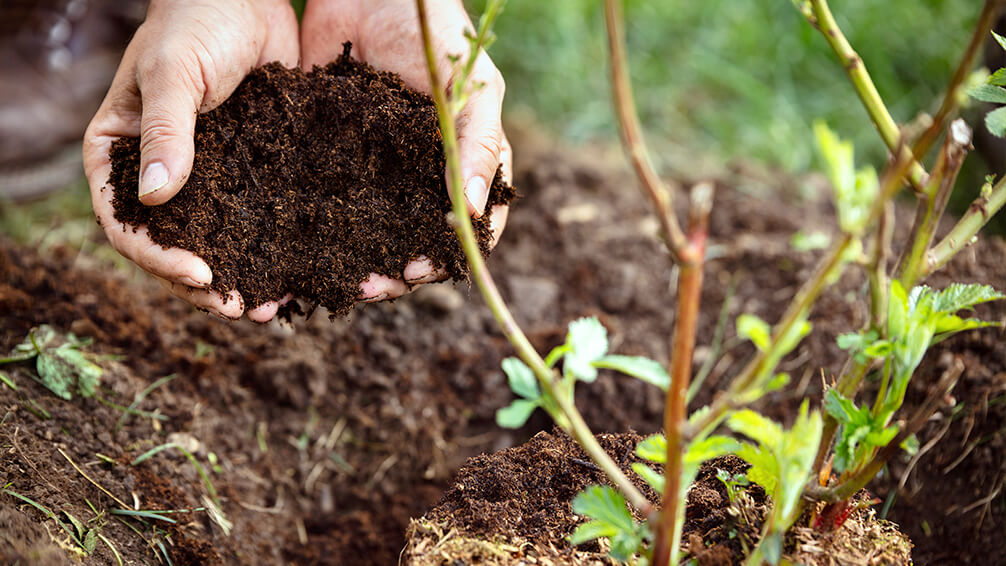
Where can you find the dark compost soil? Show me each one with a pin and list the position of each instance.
(329, 436)
(305, 183)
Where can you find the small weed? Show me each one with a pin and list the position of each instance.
(60, 363)
(211, 502)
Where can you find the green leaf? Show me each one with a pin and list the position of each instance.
(591, 530)
(755, 426)
(764, 468)
(55, 376)
(639, 367)
(988, 93)
(653, 448)
(997, 78)
(999, 39)
(771, 547)
(90, 541)
(750, 327)
(855, 191)
(959, 296)
(607, 506)
(710, 448)
(515, 414)
(521, 378)
(651, 476)
(77, 524)
(804, 242)
(588, 342)
(840, 408)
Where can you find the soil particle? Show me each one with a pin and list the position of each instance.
(306, 183)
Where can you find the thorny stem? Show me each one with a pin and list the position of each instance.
(888, 129)
(981, 210)
(631, 132)
(858, 480)
(933, 200)
(667, 543)
(951, 99)
(480, 273)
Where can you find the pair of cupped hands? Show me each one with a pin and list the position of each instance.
(190, 55)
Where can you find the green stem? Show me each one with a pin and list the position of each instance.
(888, 129)
(480, 273)
(933, 200)
(858, 480)
(981, 210)
(877, 269)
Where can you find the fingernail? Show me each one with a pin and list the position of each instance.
(424, 279)
(155, 176)
(191, 282)
(476, 193)
(200, 276)
(376, 299)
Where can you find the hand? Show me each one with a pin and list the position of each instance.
(386, 35)
(187, 57)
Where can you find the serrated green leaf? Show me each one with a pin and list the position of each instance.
(988, 93)
(604, 504)
(54, 376)
(997, 78)
(959, 296)
(653, 448)
(764, 469)
(588, 342)
(763, 430)
(650, 476)
(639, 367)
(515, 414)
(709, 448)
(750, 327)
(521, 378)
(591, 530)
(840, 408)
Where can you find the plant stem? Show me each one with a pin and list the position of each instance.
(981, 210)
(877, 268)
(668, 540)
(631, 132)
(858, 480)
(480, 273)
(951, 99)
(888, 129)
(933, 200)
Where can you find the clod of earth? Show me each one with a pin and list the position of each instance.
(306, 183)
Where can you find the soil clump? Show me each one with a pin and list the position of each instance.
(306, 183)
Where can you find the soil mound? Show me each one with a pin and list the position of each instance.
(308, 182)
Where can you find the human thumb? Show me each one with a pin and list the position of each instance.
(480, 140)
(170, 100)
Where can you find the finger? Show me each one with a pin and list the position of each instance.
(506, 160)
(230, 307)
(266, 311)
(480, 135)
(281, 42)
(381, 287)
(422, 270)
(171, 93)
(497, 222)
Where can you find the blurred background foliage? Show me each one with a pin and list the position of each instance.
(725, 80)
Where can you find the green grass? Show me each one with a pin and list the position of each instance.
(727, 79)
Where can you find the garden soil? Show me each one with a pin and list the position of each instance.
(328, 436)
(306, 183)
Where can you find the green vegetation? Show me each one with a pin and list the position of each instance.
(854, 442)
(727, 78)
